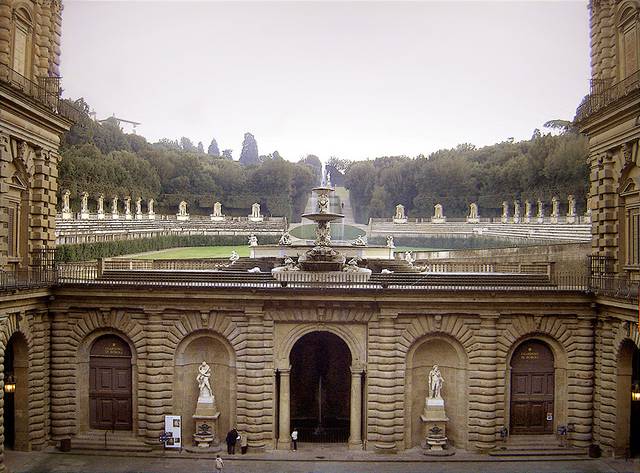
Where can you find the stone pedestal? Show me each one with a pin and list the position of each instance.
(206, 423)
(435, 425)
(571, 219)
(182, 217)
(100, 214)
(67, 215)
(138, 215)
(473, 220)
(151, 216)
(438, 219)
(256, 219)
(84, 215)
(217, 218)
(399, 220)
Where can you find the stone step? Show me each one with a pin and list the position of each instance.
(96, 442)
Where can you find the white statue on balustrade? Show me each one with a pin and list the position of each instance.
(516, 211)
(527, 211)
(182, 211)
(139, 208)
(505, 212)
(66, 208)
(571, 213)
(438, 215)
(540, 213)
(151, 215)
(555, 209)
(217, 216)
(473, 216)
(84, 206)
(255, 213)
(399, 216)
(100, 213)
(114, 208)
(127, 208)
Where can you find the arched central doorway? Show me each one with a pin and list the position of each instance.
(16, 397)
(110, 397)
(532, 388)
(627, 405)
(320, 388)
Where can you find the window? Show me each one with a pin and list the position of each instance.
(633, 232)
(22, 43)
(12, 242)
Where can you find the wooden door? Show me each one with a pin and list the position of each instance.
(110, 397)
(532, 389)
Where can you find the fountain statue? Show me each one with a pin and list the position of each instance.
(207, 414)
(434, 417)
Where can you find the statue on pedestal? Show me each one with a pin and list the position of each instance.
(151, 215)
(182, 211)
(206, 415)
(399, 216)
(84, 207)
(473, 213)
(217, 212)
(285, 239)
(66, 209)
(390, 243)
(253, 240)
(434, 416)
(114, 208)
(255, 213)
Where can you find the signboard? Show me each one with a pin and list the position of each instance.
(173, 429)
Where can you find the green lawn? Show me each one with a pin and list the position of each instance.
(196, 252)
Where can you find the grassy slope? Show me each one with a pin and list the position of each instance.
(196, 252)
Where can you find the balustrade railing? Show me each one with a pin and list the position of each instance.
(46, 91)
(604, 92)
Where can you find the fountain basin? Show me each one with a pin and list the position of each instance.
(323, 217)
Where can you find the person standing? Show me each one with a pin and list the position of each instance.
(219, 464)
(232, 438)
(294, 438)
(244, 442)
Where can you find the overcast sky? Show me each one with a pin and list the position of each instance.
(347, 79)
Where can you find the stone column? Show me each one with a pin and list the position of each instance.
(284, 439)
(355, 421)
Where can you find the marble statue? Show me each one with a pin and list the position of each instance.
(473, 213)
(527, 211)
(253, 240)
(289, 265)
(84, 206)
(217, 209)
(85, 202)
(438, 214)
(255, 210)
(540, 213)
(203, 377)
(399, 212)
(285, 239)
(234, 256)
(571, 212)
(151, 215)
(100, 206)
(65, 201)
(555, 209)
(516, 211)
(360, 241)
(435, 383)
(182, 208)
(505, 212)
(66, 208)
(323, 204)
(114, 208)
(138, 208)
(127, 208)
(408, 257)
(390, 243)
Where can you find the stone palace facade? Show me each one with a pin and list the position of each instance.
(91, 359)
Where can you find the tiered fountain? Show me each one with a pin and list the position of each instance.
(322, 263)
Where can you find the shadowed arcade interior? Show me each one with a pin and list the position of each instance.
(320, 388)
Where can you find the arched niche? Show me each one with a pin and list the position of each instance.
(215, 350)
(627, 441)
(450, 356)
(16, 403)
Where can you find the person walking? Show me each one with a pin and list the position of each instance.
(294, 438)
(244, 442)
(219, 464)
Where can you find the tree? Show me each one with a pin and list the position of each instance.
(213, 149)
(249, 153)
(227, 154)
(187, 145)
(200, 147)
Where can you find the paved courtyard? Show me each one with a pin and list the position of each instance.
(290, 462)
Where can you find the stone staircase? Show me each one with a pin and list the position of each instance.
(100, 441)
(538, 446)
